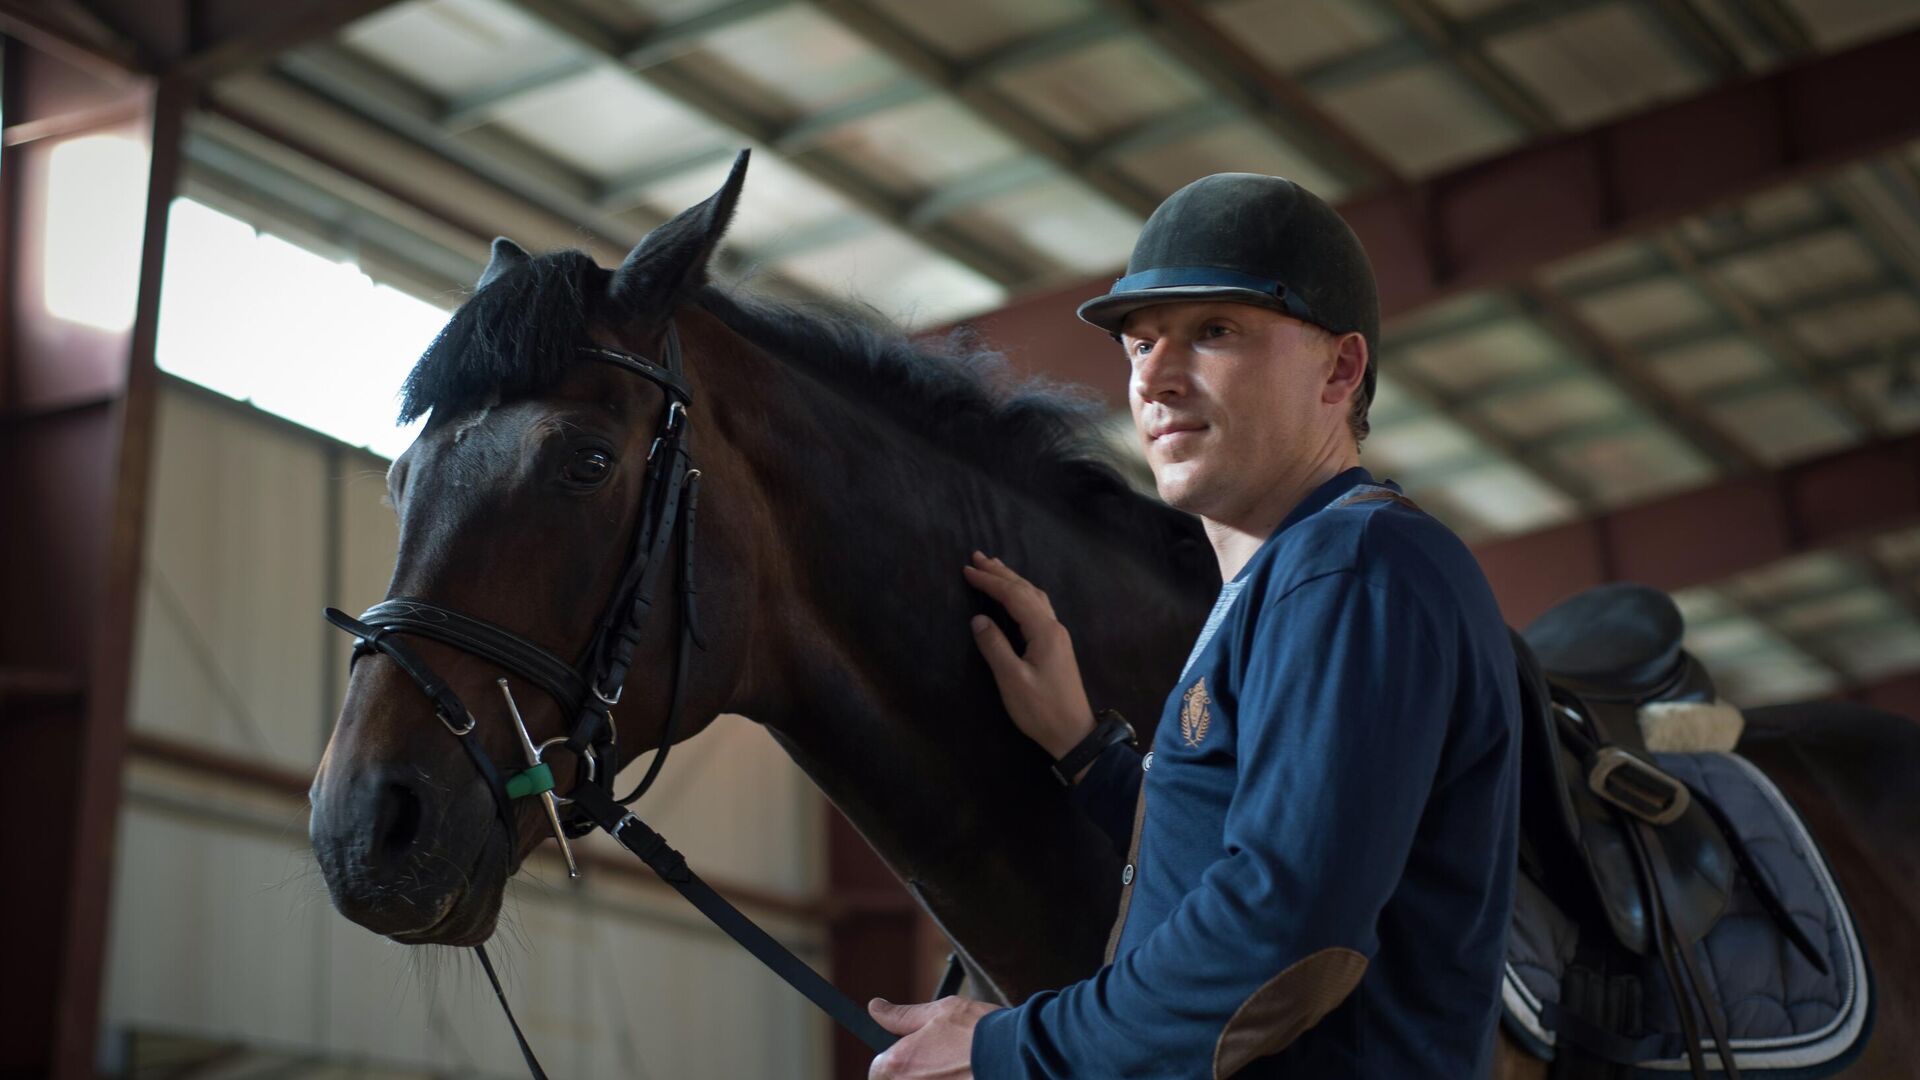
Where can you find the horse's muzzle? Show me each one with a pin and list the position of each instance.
(380, 836)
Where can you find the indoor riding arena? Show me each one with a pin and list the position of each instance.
(314, 760)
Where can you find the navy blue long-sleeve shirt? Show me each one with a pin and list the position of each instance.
(1330, 802)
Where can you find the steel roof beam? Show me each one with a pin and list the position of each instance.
(631, 188)
(1399, 53)
(1450, 40)
(470, 194)
(982, 98)
(979, 187)
(1269, 99)
(661, 44)
(371, 91)
(1714, 256)
(1594, 351)
(809, 132)
(1493, 439)
(1626, 370)
(1026, 171)
(1010, 269)
(1761, 323)
(655, 45)
(1703, 536)
(1624, 367)
(473, 109)
(1501, 220)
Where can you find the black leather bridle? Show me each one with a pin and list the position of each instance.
(588, 689)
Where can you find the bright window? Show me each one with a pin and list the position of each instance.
(96, 198)
(296, 334)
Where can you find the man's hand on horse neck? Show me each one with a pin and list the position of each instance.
(936, 1039)
(1042, 688)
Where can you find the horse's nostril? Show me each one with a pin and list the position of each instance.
(398, 823)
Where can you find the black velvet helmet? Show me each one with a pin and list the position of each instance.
(1249, 239)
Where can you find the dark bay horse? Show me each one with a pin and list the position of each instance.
(848, 474)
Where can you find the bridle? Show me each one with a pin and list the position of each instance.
(588, 689)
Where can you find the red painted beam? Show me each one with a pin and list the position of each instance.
(1708, 534)
(1494, 222)
(76, 422)
(1899, 694)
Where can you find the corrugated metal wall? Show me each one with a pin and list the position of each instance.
(222, 932)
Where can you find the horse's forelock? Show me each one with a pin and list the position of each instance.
(513, 337)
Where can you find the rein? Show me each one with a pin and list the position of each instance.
(589, 689)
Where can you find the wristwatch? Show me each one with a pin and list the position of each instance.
(1109, 727)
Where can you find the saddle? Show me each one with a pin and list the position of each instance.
(1642, 865)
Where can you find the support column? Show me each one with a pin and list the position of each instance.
(77, 386)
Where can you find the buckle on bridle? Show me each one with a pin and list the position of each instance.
(441, 712)
(1636, 786)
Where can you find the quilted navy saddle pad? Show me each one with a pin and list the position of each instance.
(1786, 1018)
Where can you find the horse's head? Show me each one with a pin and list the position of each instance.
(524, 504)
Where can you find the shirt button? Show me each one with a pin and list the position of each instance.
(1126, 875)
(1146, 762)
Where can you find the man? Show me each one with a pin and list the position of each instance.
(1320, 868)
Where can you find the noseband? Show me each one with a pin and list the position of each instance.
(589, 688)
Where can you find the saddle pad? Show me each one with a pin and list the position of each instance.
(1784, 1016)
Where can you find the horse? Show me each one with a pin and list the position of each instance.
(849, 471)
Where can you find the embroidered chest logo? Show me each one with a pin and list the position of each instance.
(1194, 715)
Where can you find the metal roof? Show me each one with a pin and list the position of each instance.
(935, 160)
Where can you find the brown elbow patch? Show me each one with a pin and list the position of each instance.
(1286, 1006)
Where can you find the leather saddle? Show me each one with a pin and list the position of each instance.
(1589, 665)
(1637, 860)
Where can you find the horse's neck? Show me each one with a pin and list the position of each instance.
(886, 704)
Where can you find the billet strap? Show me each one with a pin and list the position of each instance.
(653, 849)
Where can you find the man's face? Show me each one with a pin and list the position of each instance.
(1231, 401)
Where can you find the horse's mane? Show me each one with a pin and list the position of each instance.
(516, 337)
(955, 390)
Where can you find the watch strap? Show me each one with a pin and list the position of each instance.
(1109, 727)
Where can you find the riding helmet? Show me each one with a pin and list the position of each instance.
(1249, 239)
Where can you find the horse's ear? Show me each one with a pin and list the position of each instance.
(674, 256)
(507, 255)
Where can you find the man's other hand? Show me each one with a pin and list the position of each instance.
(936, 1039)
(1041, 689)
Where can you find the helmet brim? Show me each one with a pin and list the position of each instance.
(1110, 312)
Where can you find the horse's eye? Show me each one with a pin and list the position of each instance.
(588, 466)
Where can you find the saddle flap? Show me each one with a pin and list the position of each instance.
(1703, 868)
